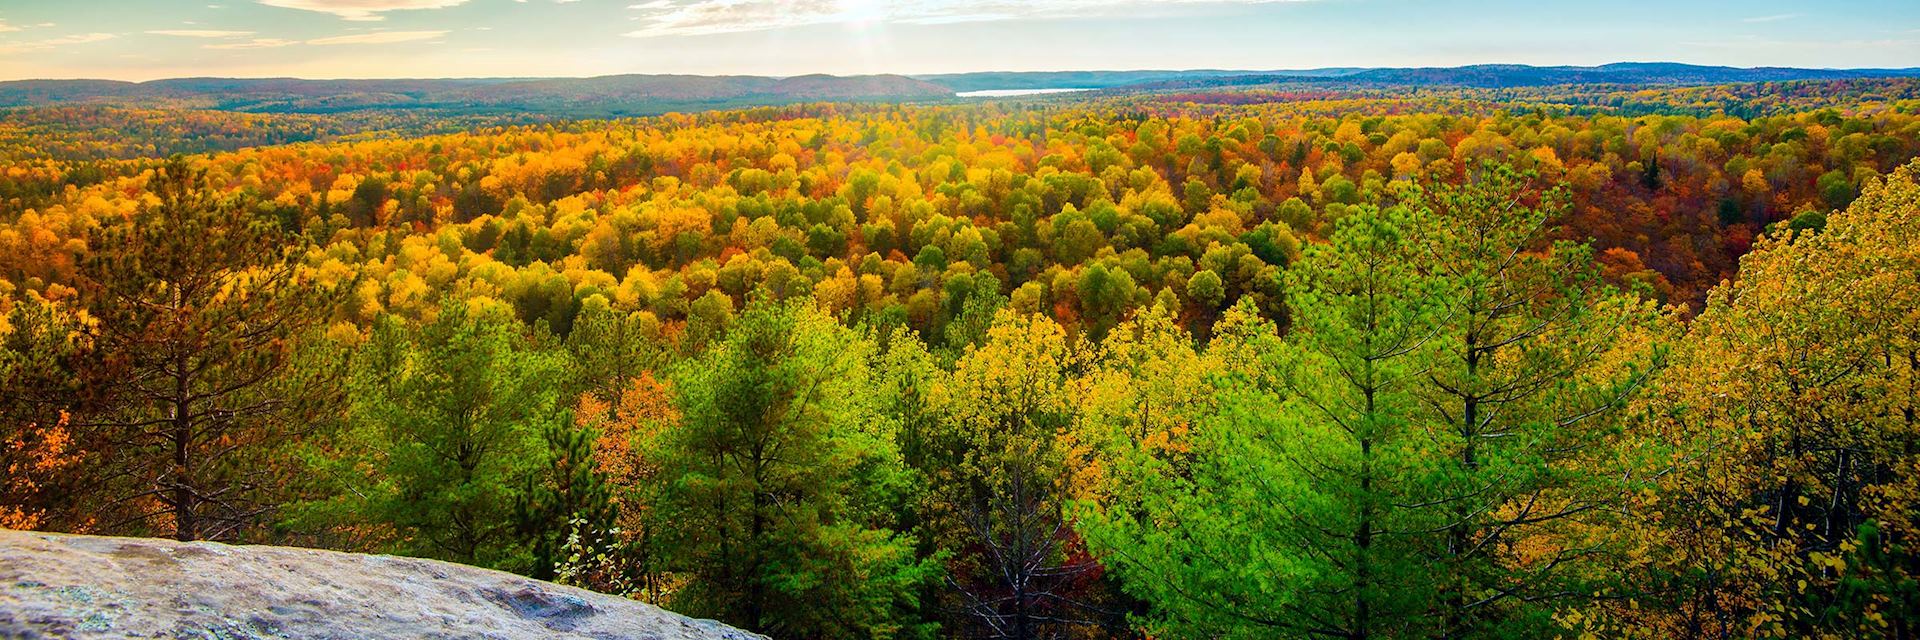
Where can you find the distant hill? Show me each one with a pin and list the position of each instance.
(605, 95)
(1005, 80)
(1519, 75)
(625, 95)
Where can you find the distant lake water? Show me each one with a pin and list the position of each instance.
(1004, 93)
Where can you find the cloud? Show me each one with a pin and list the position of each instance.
(256, 43)
(379, 37)
(367, 10)
(78, 38)
(50, 43)
(708, 17)
(7, 28)
(1771, 18)
(199, 33)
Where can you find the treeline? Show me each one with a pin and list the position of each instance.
(1444, 422)
(1854, 97)
(83, 132)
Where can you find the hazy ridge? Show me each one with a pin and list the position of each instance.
(650, 94)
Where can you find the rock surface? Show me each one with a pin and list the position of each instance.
(68, 586)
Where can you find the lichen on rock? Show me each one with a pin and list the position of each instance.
(68, 586)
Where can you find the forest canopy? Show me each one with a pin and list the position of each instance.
(1547, 362)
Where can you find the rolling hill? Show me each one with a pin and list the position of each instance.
(630, 95)
(1518, 75)
(605, 95)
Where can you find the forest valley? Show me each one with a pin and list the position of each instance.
(1427, 363)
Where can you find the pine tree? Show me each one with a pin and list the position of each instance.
(450, 416)
(776, 467)
(43, 481)
(199, 301)
(565, 507)
(1421, 453)
(1535, 358)
(1282, 497)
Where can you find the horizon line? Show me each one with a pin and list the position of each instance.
(917, 75)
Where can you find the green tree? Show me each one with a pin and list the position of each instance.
(44, 345)
(565, 507)
(1836, 189)
(1293, 506)
(1422, 453)
(1105, 297)
(772, 471)
(707, 318)
(1807, 221)
(1535, 358)
(611, 349)
(1206, 289)
(973, 303)
(449, 416)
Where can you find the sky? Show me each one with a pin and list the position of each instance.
(150, 39)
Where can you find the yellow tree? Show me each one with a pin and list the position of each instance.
(1789, 423)
(1144, 393)
(1000, 480)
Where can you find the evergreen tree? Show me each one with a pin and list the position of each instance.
(45, 485)
(1419, 456)
(611, 349)
(1293, 505)
(1535, 358)
(198, 301)
(565, 507)
(774, 469)
(449, 416)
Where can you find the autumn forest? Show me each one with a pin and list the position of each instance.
(1582, 361)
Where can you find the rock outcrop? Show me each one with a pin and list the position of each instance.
(68, 586)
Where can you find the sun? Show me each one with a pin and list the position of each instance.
(861, 12)
(867, 25)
